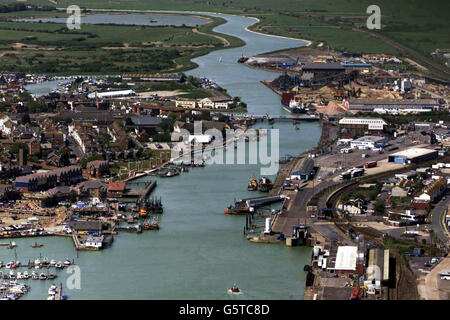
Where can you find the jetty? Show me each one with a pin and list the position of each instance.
(244, 206)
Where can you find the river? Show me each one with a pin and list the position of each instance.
(199, 252)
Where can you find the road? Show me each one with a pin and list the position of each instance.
(435, 220)
(431, 287)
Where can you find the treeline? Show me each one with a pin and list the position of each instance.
(5, 8)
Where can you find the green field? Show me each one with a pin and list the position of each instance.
(419, 25)
(52, 48)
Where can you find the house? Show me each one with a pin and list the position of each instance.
(219, 102)
(433, 192)
(399, 192)
(92, 189)
(97, 168)
(186, 103)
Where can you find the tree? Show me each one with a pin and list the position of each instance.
(25, 118)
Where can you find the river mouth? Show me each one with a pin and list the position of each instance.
(199, 253)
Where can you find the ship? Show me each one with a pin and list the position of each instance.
(153, 225)
(265, 184)
(253, 184)
(242, 59)
(294, 106)
(153, 205)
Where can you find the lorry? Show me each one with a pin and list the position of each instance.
(370, 164)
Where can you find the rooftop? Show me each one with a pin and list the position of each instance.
(413, 152)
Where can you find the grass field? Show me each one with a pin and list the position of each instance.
(421, 26)
(52, 48)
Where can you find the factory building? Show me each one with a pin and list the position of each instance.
(410, 105)
(368, 142)
(413, 155)
(355, 127)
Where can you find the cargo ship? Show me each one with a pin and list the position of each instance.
(295, 106)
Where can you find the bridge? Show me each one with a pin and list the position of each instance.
(257, 117)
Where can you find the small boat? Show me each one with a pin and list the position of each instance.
(51, 297)
(42, 276)
(234, 290)
(34, 276)
(26, 275)
(37, 245)
(253, 184)
(9, 265)
(12, 245)
(67, 262)
(51, 276)
(52, 263)
(58, 265)
(265, 185)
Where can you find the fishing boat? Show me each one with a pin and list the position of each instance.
(242, 59)
(253, 184)
(294, 106)
(153, 206)
(37, 245)
(150, 226)
(234, 290)
(265, 184)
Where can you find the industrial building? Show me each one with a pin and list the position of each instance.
(390, 104)
(305, 170)
(413, 155)
(351, 127)
(368, 142)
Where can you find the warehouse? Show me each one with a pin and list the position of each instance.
(390, 104)
(413, 155)
(351, 127)
(305, 170)
(111, 94)
(368, 142)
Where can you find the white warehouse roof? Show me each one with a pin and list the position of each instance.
(413, 152)
(346, 258)
(362, 121)
(110, 94)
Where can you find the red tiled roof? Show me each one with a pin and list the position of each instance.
(116, 186)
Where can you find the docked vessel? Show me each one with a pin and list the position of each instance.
(265, 184)
(37, 245)
(294, 106)
(242, 59)
(253, 184)
(153, 206)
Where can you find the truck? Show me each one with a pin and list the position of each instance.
(370, 164)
